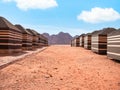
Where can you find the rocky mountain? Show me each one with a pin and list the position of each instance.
(60, 38)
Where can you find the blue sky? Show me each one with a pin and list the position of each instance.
(53, 16)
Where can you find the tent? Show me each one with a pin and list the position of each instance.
(87, 41)
(113, 46)
(26, 38)
(10, 37)
(99, 40)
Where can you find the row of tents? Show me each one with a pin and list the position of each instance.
(105, 41)
(15, 38)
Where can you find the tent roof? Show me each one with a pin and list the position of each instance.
(22, 29)
(116, 32)
(105, 31)
(43, 37)
(88, 34)
(33, 32)
(5, 24)
(82, 35)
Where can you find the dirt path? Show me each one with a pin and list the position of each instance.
(62, 68)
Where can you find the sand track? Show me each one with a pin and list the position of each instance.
(62, 68)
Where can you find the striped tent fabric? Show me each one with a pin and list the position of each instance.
(43, 41)
(94, 41)
(35, 38)
(113, 47)
(10, 37)
(72, 42)
(76, 42)
(99, 40)
(87, 41)
(39, 38)
(82, 40)
(26, 38)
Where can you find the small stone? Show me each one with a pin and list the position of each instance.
(56, 68)
(119, 84)
(61, 79)
(51, 75)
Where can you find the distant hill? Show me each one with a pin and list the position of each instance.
(60, 38)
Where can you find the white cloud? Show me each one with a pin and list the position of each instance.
(98, 15)
(34, 4)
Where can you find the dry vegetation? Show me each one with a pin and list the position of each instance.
(62, 68)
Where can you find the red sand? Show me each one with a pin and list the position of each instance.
(62, 68)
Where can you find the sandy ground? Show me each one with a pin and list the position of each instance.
(62, 68)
